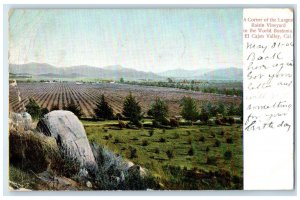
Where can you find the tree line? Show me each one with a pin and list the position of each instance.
(159, 110)
(189, 85)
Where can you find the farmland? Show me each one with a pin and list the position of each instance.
(192, 155)
(86, 96)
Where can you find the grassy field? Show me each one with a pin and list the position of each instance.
(172, 154)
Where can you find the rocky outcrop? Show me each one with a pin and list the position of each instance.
(70, 136)
(20, 121)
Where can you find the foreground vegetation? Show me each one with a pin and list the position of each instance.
(188, 157)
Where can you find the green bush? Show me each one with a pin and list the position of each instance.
(228, 155)
(217, 143)
(201, 138)
(145, 143)
(191, 152)
(229, 140)
(133, 152)
(169, 154)
(211, 160)
(151, 132)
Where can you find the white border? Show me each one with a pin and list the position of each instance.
(211, 3)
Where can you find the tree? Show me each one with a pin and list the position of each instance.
(221, 109)
(212, 110)
(159, 110)
(74, 108)
(189, 109)
(103, 110)
(33, 109)
(204, 115)
(121, 80)
(132, 109)
(231, 110)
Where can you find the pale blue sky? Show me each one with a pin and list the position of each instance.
(144, 39)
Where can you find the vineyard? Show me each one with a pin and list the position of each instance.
(87, 95)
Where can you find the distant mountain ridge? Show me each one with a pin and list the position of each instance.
(109, 72)
(116, 72)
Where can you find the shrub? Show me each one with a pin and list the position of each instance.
(175, 135)
(151, 132)
(169, 154)
(116, 141)
(162, 140)
(222, 133)
(228, 155)
(201, 139)
(231, 120)
(191, 151)
(174, 122)
(189, 141)
(133, 152)
(229, 140)
(145, 143)
(155, 123)
(44, 111)
(33, 109)
(207, 148)
(217, 143)
(106, 137)
(156, 150)
(34, 151)
(211, 160)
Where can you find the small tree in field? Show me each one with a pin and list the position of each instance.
(159, 110)
(204, 115)
(132, 109)
(189, 109)
(74, 108)
(103, 109)
(221, 109)
(231, 110)
(33, 109)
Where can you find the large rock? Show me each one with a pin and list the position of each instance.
(20, 121)
(70, 136)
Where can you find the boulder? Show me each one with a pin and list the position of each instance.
(20, 121)
(70, 136)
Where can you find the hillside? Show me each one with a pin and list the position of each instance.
(109, 72)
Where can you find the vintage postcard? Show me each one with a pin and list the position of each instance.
(151, 99)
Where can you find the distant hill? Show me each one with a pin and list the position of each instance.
(183, 73)
(108, 72)
(231, 73)
(116, 72)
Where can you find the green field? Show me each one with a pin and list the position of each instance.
(178, 157)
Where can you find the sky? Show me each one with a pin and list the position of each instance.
(144, 39)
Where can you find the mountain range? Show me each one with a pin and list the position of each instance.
(116, 72)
